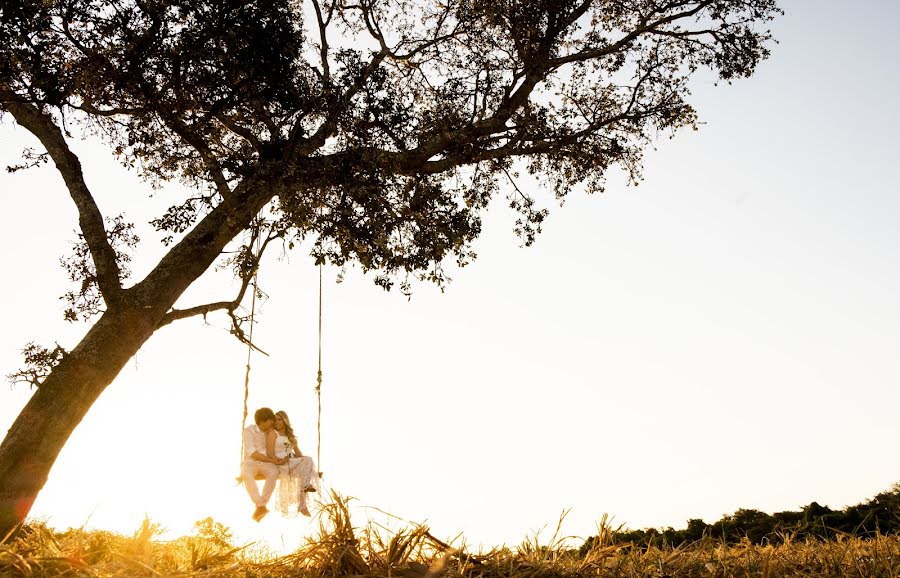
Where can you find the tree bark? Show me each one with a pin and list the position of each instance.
(60, 403)
(39, 433)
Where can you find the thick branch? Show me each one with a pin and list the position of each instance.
(247, 274)
(90, 219)
(371, 22)
(177, 314)
(323, 46)
(108, 112)
(230, 306)
(199, 145)
(239, 130)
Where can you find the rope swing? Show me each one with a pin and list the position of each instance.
(250, 349)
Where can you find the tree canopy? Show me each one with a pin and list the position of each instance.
(378, 131)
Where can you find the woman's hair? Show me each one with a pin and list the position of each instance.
(288, 430)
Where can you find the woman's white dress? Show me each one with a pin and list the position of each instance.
(295, 479)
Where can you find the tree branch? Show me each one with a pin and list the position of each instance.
(229, 306)
(302, 147)
(239, 130)
(323, 47)
(535, 72)
(176, 314)
(199, 145)
(67, 163)
(644, 27)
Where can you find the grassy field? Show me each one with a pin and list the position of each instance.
(338, 549)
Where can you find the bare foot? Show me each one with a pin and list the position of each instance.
(304, 510)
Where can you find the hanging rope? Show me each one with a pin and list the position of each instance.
(319, 382)
(249, 347)
(247, 372)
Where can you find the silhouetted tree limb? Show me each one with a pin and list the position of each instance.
(90, 219)
(247, 269)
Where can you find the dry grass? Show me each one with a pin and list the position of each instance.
(340, 550)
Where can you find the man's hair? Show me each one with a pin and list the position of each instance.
(263, 414)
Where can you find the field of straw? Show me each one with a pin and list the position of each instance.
(338, 550)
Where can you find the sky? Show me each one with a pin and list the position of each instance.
(725, 335)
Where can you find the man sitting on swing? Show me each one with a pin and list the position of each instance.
(259, 442)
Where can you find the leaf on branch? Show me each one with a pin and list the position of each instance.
(178, 218)
(86, 301)
(386, 148)
(39, 362)
(32, 159)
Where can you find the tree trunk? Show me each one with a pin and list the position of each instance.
(58, 406)
(39, 433)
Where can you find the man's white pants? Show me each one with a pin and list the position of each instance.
(249, 470)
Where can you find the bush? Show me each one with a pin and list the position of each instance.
(879, 515)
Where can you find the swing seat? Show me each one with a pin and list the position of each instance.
(262, 478)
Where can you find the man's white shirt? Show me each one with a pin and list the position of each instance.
(254, 441)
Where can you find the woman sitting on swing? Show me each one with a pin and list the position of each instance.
(298, 476)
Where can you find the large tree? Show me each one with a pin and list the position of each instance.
(375, 130)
